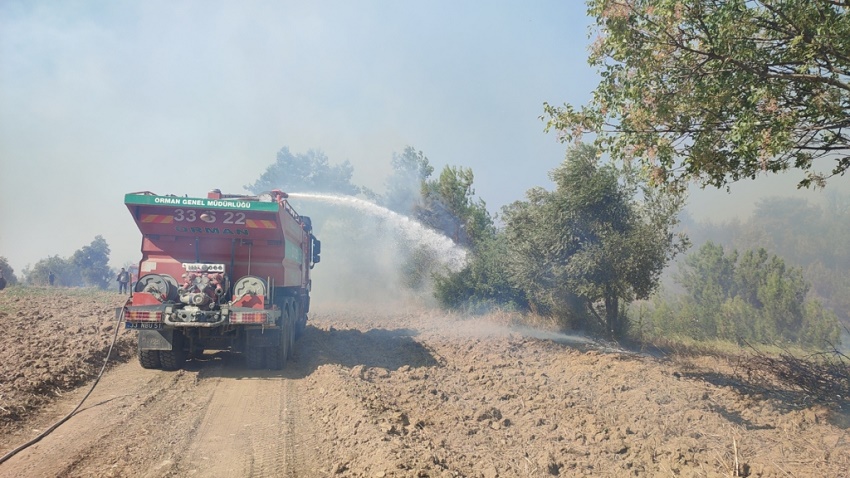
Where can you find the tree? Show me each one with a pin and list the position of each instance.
(448, 205)
(307, 172)
(7, 272)
(709, 277)
(87, 267)
(92, 263)
(591, 243)
(719, 90)
(485, 282)
(65, 272)
(803, 234)
(411, 169)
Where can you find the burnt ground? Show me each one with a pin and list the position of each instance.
(401, 391)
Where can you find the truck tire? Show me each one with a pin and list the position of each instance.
(293, 331)
(173, 359)
(149, 359)
(301, 318)
(276, 356)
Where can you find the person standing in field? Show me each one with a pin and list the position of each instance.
(51, 277)
(123, 279)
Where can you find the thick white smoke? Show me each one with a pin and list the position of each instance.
(366, 248)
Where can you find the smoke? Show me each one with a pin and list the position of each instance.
(368, 252)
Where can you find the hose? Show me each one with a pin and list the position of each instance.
(74, 411)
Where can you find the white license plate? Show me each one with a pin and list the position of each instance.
(143, 325)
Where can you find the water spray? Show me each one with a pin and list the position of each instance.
(448, 253)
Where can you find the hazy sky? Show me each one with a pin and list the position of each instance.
(102, 98)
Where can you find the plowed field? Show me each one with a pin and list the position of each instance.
(392, 391)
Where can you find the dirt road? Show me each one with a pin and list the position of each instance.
(213, 419)
(415, 393)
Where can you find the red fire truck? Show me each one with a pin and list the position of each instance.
(224, 272)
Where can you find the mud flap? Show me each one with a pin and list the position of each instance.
(156, 339)
(263, 337)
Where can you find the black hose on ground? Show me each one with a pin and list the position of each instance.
(74, 411)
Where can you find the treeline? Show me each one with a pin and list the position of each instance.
(811, 237)
(584, 252)
(87, 267)
(781, 275)
(580, 253)
(752, 297)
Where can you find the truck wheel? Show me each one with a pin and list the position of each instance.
(254, 357)
(299, 329)
(300, 324)
(149, 359)
(292, 331)
(173, 359)
(276, 356)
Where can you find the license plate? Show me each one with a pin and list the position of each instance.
(144, 325)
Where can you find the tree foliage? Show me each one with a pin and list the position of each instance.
(753, 296)
(806, 235)
(719, 90)
(64, 271)
(411, 169)
(306, 172)
(8, 272)
(590, 246)
(449, 205)
(92, 263)
(87, 267)
(485, 282)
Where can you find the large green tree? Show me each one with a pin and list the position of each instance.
(719, 90)
(92, 263)
(598, 241)
(305, 172)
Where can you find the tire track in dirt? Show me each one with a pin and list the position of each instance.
(214, 418)
(252, 427)
(241, 433)
(298, 433)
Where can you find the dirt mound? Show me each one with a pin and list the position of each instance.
(54, 339)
